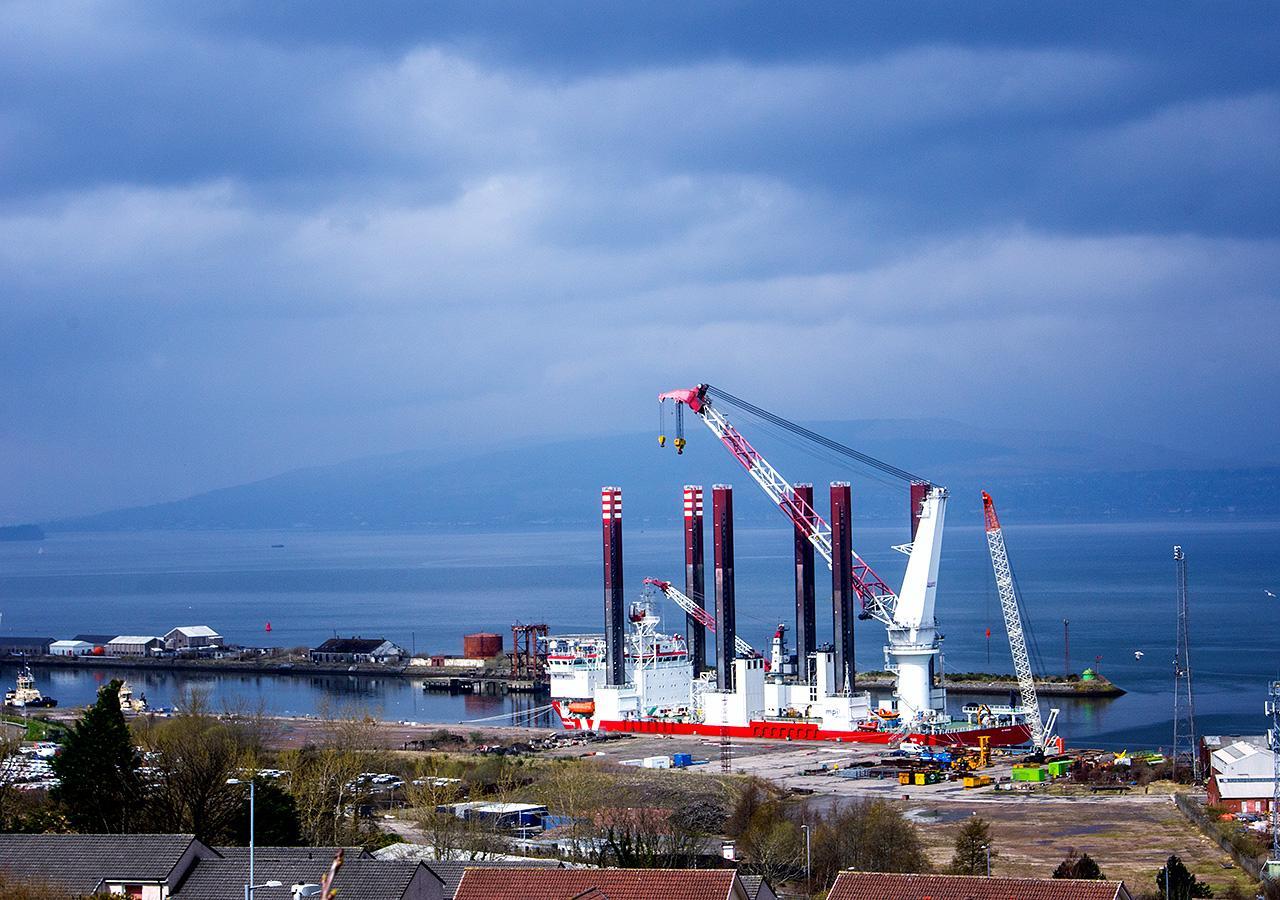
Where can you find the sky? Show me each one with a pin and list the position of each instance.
(240, 238)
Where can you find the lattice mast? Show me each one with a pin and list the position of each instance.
(1273, 740)
(1184, 707)
(1008, 591)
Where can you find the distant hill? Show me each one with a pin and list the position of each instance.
(1039, 476)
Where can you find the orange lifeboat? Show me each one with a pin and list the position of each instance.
(582, 707)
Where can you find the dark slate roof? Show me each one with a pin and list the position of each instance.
(450, 871)
(100, 639)
(350, 645)
(79, 862)
(15, 641)
(360, 878)
(753, 884)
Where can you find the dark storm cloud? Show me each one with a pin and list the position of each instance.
(235, 239)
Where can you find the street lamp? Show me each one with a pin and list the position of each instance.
(987, 847)
(808, 865)
(250, 887)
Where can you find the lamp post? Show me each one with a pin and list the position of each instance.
(987, 848)
(249, 885)
(808, 864)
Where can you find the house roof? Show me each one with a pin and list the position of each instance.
(133, 639)
(350, 645)
(522, 883)
(756, 887)
(95, 638)
(195, 631)
(79, 862)
(360, 878)
(71, 643)
(451, 871)
(887, 886)
(15, 641)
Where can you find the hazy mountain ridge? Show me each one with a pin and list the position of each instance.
(1041, 476)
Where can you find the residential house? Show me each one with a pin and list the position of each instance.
(521, 883)
(887, 886)
(357, 650)
(192, 637)
(178, 867)
(451, 871)
(134, 645)
(70, 648)
(24, 646)
(362, 877)
(1242, 777)
(138, 866)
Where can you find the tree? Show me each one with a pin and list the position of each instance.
(275, 816)
(867, 835)
(1078, 865)
(325, 781)
(100, 786)
(1182, 885)
(973, 848)
(193, 756)
(430, 793)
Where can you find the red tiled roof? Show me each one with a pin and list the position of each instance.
(615, 884)
(884, 886)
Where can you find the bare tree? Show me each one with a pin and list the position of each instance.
(433, 789)
(325, 780)
(192, 758)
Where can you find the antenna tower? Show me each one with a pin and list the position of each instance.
(1272, 869)
(1184, 707)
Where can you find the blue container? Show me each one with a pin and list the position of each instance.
(680, 760)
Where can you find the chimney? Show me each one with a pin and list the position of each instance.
(614, 600)
(726, 620)
(806, 630)
(695, 578)
(843, 601)
(919, 491)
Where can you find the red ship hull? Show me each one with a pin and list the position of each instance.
(1000, 736)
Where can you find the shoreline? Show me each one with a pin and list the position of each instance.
(1100, 688)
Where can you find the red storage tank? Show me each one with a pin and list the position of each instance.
(481, 645)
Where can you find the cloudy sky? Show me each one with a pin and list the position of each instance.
(244, 237)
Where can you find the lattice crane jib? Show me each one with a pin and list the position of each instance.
(1009, 606)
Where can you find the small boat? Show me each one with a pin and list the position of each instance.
(25, 695)
(130, 703)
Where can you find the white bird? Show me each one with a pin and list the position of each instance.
(1138, 654)
(1268, 593)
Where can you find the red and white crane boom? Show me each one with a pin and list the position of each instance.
(704, 618)
(877, 598)
(1009, 605)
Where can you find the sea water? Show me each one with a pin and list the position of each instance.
(1114, 582)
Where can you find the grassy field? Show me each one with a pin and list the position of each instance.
(1129, 839)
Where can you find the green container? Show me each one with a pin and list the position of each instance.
(1030, 773)
(1060, 767)
(1088, 675)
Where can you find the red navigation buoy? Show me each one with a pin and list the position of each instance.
(268, 626)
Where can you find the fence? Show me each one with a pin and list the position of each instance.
(1201, 819)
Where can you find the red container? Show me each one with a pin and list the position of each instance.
(481, 645)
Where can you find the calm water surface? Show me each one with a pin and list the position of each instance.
(1114, 582)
